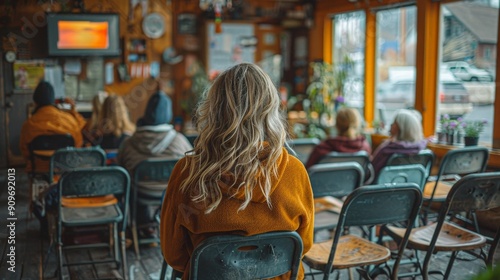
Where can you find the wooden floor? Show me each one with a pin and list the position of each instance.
(34, 261)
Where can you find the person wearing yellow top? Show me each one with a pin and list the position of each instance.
(47, 119)
(238, 179)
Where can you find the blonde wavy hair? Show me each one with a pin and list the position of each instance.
(93, 122)
(348, 122)
(237, 120)
(114, 118)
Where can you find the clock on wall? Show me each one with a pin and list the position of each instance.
(10, 56)
(153, 25)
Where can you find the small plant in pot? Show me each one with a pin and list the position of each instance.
(472, 129)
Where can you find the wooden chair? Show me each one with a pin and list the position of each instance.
(331, 182)
(259, 256)
(89, 183)
(454, 165)
(302, 147)
(361, 157)
(471, 193)
(367, 206)
(150, 181)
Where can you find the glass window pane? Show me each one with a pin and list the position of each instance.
(468, 61)
(349, 56)
(395, 67)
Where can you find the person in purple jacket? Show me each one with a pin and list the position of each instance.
(348, 140)
(406, 138)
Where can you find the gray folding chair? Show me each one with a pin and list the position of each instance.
(91, 183)
(454, 165)
(424, 157)
(367, 206)
(259, 256)
(150, 181)
(331, 181)
(302, 147)
(471, 193)
(361, 157)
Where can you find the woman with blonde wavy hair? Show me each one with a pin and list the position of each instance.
(114, 122)
(238, 179)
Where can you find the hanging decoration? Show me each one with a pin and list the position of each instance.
(217, 5)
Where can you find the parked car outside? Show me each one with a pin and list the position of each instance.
(468, 72)
(453, 97)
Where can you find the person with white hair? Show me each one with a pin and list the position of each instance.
(406, 138)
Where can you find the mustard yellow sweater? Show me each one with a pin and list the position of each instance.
(184, 224)
(50, 120)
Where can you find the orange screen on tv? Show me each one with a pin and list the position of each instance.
(82, 35)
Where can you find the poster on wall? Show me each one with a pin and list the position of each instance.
(235, 44)
(28, 73)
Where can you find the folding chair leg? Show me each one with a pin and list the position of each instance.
(163, 272)
(123, 254)
(116, 245)
(450, 264)
(493, 247)
(136, 240)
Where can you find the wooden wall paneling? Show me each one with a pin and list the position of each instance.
(496, 105)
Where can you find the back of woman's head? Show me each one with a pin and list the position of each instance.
(239, 112)
(114, 117)
(410, 126)
(347, 122)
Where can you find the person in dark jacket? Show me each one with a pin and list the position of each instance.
(348, 140)
(406, 138)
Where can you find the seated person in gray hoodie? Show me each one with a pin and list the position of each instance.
(154, 137)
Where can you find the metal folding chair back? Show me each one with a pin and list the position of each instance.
(259, 256)
(455, 163)
(302, 147)
(43, 146)
(367, 206)
(361, 157)
(412, 173)
(424, 157)
(328, 181)
(91, 183)
(150, 181)
(41, 149)
(68, 158)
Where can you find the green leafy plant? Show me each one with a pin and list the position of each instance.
(473, 128)
(325, 92)
(489, 274)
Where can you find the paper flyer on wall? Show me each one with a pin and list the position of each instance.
(28, 73)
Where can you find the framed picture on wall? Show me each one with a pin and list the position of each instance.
(186, 23)
(28, 73)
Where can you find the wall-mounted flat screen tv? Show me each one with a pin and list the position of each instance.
(83, 34)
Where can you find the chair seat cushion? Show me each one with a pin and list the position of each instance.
(351, 251)
(94, 201)
(451, 237)
(90, 215)
(442, 190)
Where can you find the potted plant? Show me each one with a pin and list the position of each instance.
(325, 92)
(472, 129)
